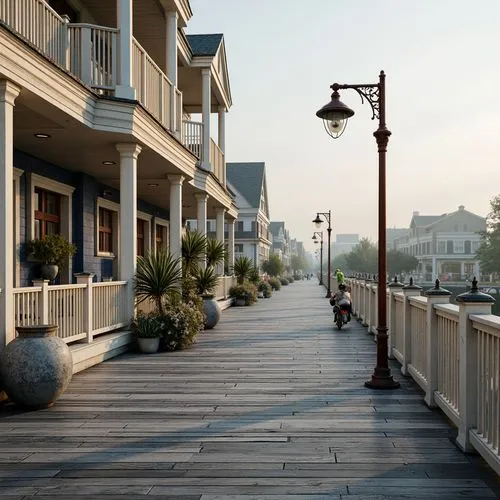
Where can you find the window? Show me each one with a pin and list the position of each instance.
(455, 228)
(238, 248)
(475, 246)
(47, 213)
(239, 226)
(466, 228)
(441, 247)
(140, 237)
(105, 231)
(161, 234)
(107, 228)
(458, 246)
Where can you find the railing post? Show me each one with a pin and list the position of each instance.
(436, 295)
(88, 313)
(366, 296)
(144, 79)
(472, 302)
(409, 291)
(394, 287)
(43, 304)
(86, 55)
(65, 44)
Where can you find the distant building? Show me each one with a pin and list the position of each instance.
(251, 236)
(445, 245)
(394, 233)
(344, 243)
(280, 238)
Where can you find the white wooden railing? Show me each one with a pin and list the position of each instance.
(223, 286)
(39, 24)
(452, 352)
(81, 311)
(192, 137)
(217, 161)
(93, 55)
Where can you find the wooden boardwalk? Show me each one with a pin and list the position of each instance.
(268, 405)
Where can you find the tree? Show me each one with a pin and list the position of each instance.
(273, 266)
(489, 249)
(340, 262)
(400, 262)
(363, 258)
(298, 262)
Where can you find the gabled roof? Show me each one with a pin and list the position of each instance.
(248, 179)
(426, 220)
(205, 45)
(275, 227)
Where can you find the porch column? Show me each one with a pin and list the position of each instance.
(201, 205)
(176, 215)
(222, 129)
(128, 218)
(124, 22)
(230, 245)
(171, 52)
(8, 94)
(206, 108)
(219, 233)
(434, 268)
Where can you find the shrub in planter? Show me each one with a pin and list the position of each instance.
(181, 322)
(246, 292)
(147, 330)
(284, 281)
(275, 283)
(290, 279)
(265, 289)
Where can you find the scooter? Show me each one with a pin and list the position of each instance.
(342, 316)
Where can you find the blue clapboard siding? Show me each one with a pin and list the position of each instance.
(87, 190)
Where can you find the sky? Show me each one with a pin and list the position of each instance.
(442, 62)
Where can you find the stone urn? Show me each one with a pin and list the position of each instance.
(212, 311)
(36, 367)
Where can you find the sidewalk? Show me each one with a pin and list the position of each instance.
(270, 405)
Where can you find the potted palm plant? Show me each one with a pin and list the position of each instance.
(53, 250)
(158, 276)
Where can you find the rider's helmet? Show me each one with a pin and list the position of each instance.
(341, 286)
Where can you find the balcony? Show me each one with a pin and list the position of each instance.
(90, 53)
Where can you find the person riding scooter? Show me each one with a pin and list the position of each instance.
(342, 299)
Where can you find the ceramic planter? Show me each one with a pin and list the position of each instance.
(36, 367)
(212, 312)
(48, 271)
(148, 345)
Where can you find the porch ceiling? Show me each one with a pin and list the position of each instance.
(78, 148)
(190, 83)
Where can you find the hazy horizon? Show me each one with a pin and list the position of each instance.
(441, 68)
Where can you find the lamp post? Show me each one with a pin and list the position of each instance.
(335, 115)
(320, 234)
(318, 222)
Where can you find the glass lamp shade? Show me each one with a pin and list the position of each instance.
(335, 115)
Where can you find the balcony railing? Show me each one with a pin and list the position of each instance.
(192, 137)
(90, 52)
(217, 162)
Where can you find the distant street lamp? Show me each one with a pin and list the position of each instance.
(318, 222)
(335, 115)
(320, 234)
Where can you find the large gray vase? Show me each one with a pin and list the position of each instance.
(36, 367)
(212, 311)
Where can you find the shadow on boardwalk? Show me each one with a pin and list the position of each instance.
(270, 404)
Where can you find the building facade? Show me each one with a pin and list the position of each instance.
(251, 231)
(98, 144)
(445, 245)
(280, 237)
(344, 243)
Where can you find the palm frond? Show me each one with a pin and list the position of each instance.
(194, 245)
(242, 268)
(216, 252)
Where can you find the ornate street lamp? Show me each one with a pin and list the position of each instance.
(318, 222)
(320, 240)
(335, 115)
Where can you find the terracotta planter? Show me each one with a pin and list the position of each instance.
(36, 367)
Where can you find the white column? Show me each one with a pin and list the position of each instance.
(124, 22)
(201, 206)
(128, 218)
(8, 94)
(219, 233)
(222, 129)
(176, 215)
(230, 245)
(171, 52)
(434, 268)
(206, 109)
(394, 287)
